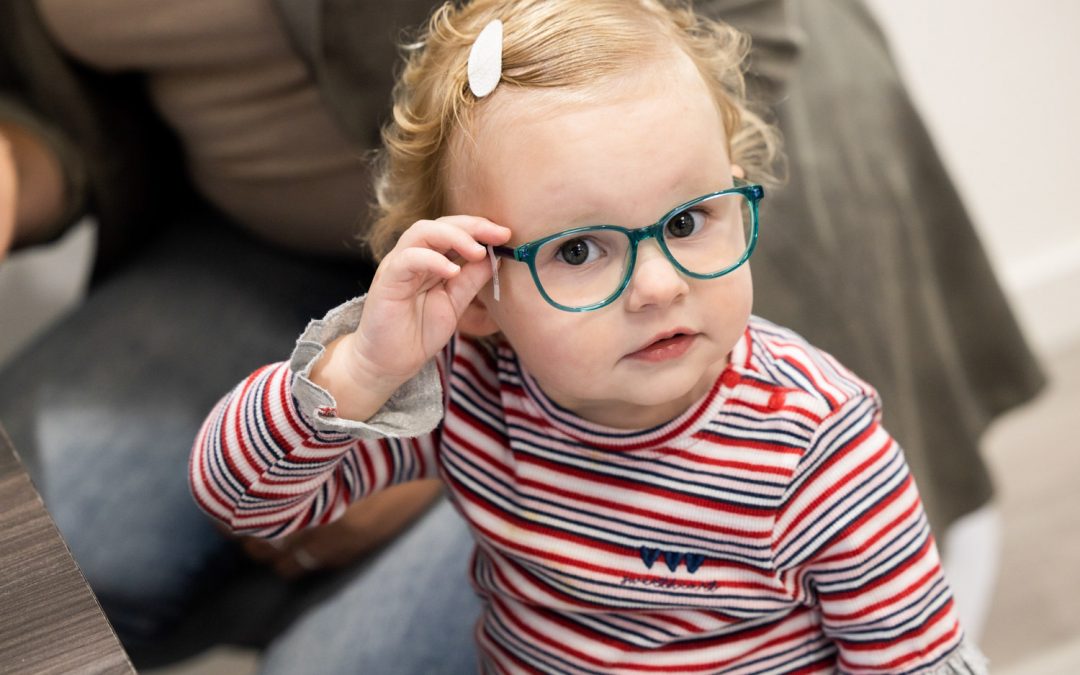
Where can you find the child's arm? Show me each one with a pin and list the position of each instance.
(293, 444)
(853, 538)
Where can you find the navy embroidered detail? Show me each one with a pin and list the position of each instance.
(649, 555)
(693, 561)
(671, 558)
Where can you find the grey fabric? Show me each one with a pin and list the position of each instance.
(776, 40)
(868, 252)
(302, 21)
(356, 65)
(966, 660)
(414, 409)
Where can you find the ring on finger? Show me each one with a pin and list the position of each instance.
(305, 559)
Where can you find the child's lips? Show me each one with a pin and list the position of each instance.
(671, 345)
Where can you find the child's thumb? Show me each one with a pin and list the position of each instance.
(464, 287)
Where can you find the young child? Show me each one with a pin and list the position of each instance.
(656, 480)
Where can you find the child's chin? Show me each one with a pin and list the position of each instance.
(674, 398)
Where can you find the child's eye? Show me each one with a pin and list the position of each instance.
(685, 224)
(578, 251)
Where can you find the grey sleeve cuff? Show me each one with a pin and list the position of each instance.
(415, 408)
(965, 660)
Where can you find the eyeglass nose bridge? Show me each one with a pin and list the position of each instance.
(636, 236)
(640, 234)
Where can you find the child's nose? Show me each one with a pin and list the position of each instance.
(655, 281)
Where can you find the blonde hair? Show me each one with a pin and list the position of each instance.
(547, 44)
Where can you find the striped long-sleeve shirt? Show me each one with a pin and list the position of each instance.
(771, 528)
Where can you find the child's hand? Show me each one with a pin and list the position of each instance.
(420, 290)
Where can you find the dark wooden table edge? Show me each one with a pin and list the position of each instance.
(51, 622)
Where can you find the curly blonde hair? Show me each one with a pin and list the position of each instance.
(547, 44)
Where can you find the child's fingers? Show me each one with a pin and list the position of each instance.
(464, 235)
(415, 269)
(441, 237)
(481, 229)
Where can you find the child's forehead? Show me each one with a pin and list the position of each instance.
(511, 111)
(579, 170)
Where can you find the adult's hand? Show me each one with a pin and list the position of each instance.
(31, 188)
(8, 193)
(366, 525)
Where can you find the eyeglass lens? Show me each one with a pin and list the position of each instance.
(586, 268)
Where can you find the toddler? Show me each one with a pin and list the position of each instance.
(656, 480)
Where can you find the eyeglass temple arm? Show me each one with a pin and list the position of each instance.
(498, 252)
(758, 191)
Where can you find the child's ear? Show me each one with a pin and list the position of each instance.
(737, 171)
(476, 320)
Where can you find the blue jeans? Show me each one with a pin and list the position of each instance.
(104, 409)
(411, 610)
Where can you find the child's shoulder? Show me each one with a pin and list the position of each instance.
(785, 360)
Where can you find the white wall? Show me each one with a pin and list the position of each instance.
(998, 84)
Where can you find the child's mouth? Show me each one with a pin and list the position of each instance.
(663, 349)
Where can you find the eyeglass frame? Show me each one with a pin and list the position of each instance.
(526, 253)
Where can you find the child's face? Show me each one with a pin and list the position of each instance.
(538, 169)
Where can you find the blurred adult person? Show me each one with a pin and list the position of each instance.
(220, 146)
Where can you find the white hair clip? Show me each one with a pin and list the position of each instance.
(485, 60)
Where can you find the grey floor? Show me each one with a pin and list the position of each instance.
(1033, 622)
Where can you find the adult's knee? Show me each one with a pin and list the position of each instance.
(115, 484)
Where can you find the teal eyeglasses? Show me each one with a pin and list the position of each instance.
(586, 268)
